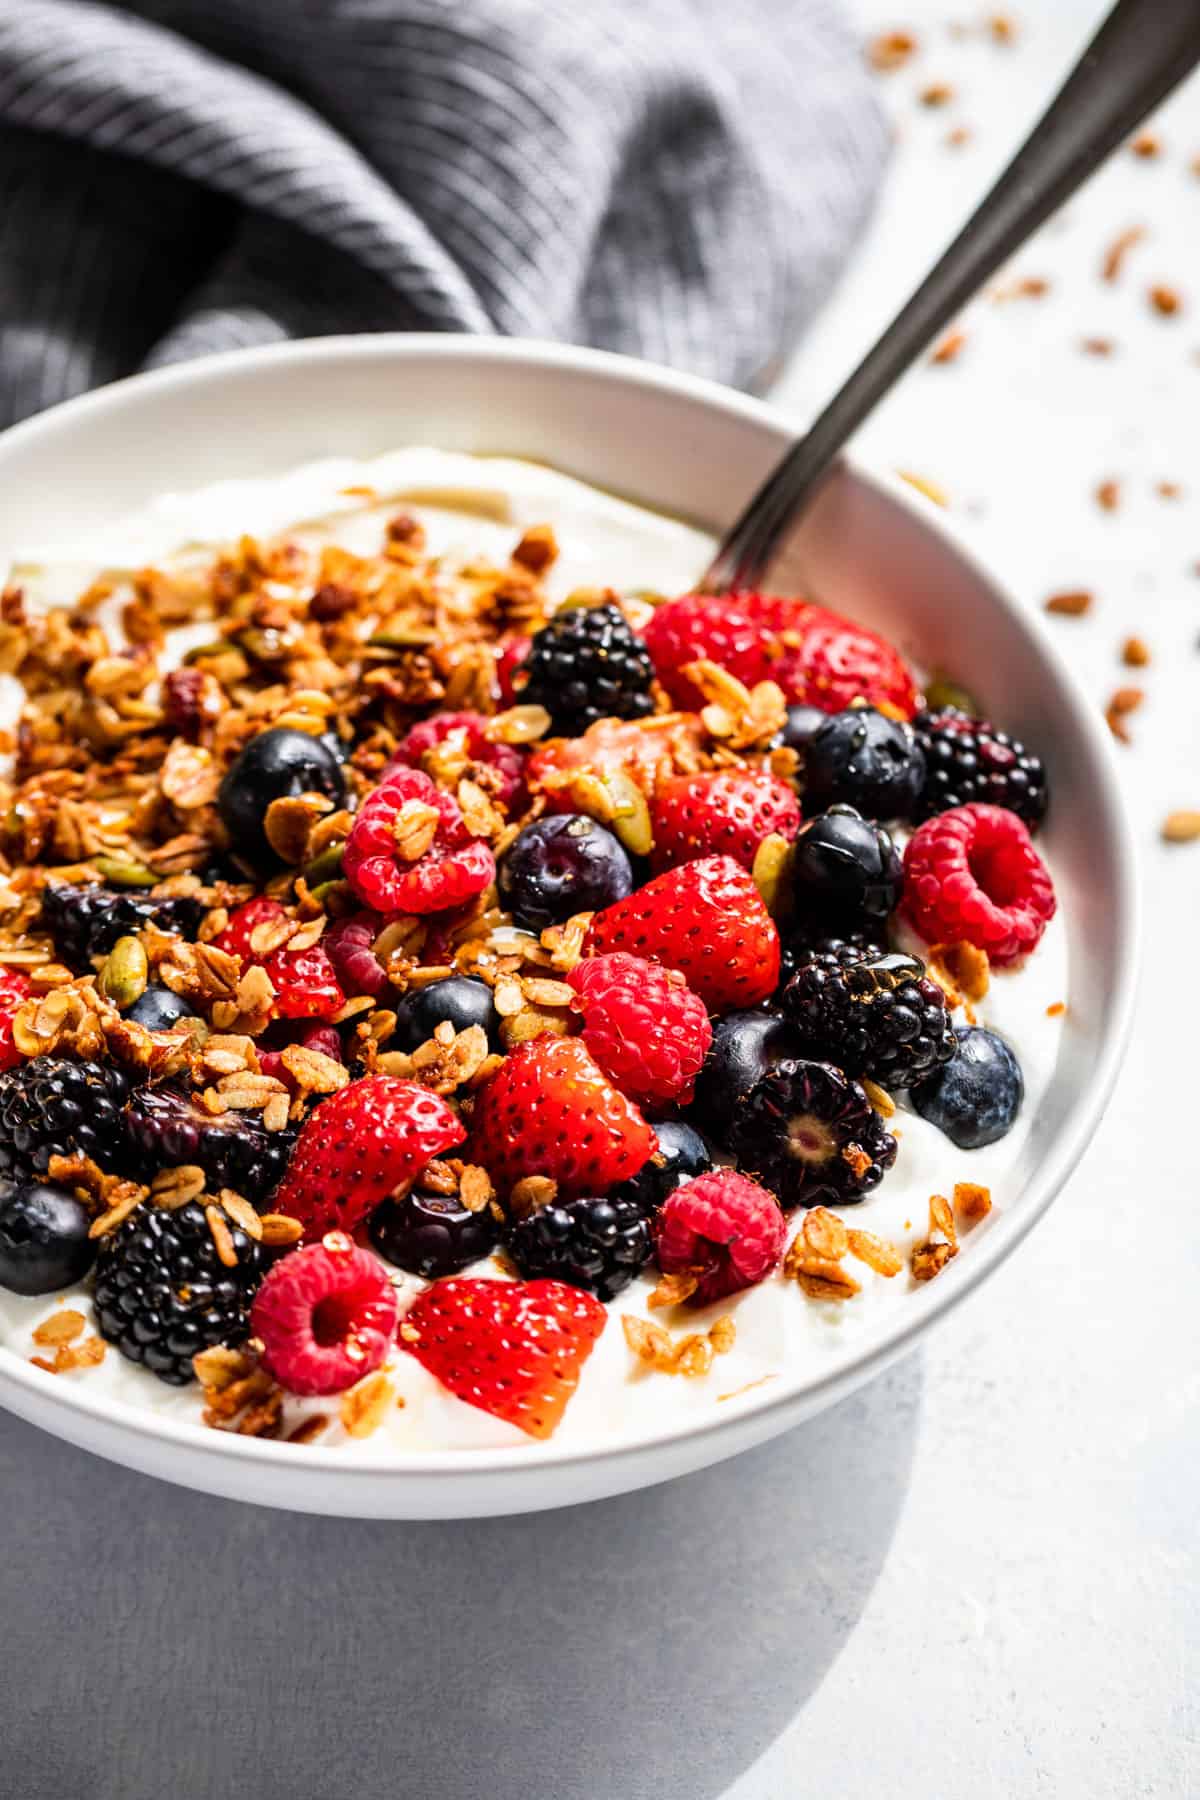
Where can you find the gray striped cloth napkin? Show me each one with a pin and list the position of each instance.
(682, 179)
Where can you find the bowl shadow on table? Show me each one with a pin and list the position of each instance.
(158, 1642)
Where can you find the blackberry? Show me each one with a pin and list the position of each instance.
(162, 1294)
(85, 922)
(809, 1133)
(797, 951)
(584, 665)
(164, 1128)
(54, 1106)
(596, 1244)
(431, 1234)
(875, 1013)
(967, 760)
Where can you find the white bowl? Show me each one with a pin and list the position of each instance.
(869, 547)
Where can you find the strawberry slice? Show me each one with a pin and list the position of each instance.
(360, 1145)
(305, 981)
(514, 1349)
(706, 919)
(15, 989)
(645, 750)
(720, 812)
(548, 1110)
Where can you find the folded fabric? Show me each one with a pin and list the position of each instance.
(681, 179)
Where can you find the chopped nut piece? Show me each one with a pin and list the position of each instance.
(1164, 300)
(891, 50)
(1118, 250)
(1097, 346)
(362, 1407)
(1108, 495)
(971, 1201)
(1056, 1010)
(937, 93)
(1181, 827)
(950, 347)
(475, 1190)
(1146, 145)
(1072, 603)
(531, 1192)
(537, 549)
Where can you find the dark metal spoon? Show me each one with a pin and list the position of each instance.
(1142, 51)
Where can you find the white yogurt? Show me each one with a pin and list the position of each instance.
(473, 507)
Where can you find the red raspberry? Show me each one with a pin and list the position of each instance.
(359, 1146)
(722, 1227)
(15, 989)
(470, 729)
(305, 982)
(326, 1314)
(816, 656)
(644, 749)
(456, 866)
(548, 1110)
(643, 1025)
(512, 1348)
(720, 812)
(972, 873)
(350, 946)
(706, 919)
(698, 628)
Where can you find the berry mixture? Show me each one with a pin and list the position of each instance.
(452, 989)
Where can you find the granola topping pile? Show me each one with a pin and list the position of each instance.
(421, 940)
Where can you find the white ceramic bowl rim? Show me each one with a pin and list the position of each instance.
(933, 1302)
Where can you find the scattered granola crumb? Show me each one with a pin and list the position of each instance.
(962, 969)
(362, 1407)
(1135, 653)
(1168, 490)
(1072, 603)
(1025, 287)
(1097, 346)
(1164, 300)
(1181, 827)
(1118, 250)
(971, 1201)
(930, 1257)
(891, 50)
(691, 1355)
(60, 1328)
(879, 1097)
(936, 93)
(1146, 145)
(950, 347)
(1056, 1009)
(1108, 495)
(957, 136)
(1003, 29)
(1123, 702)
(307, 1429)
(876, 1252)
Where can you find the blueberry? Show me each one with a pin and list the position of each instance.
(802, 725)
(562, 865)
(862, 758)
(682, 1155)
(744, 1046)
(976, 1097)
(458, 999)
(44, 1243)
(431, 1234)
(275, 765)
(847, 872)
(157, 1008)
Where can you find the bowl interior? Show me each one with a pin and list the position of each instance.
(867, 547)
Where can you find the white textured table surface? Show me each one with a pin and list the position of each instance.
(977, 1578)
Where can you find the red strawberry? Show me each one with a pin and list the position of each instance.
(696, 628)
(326, 1314)
(724, 1229)
(549, 1111)
(512, 1348)
(454, 867)
(644, 749)
(720, 812)
(305, 982)
(706, 919)
(15, 989)
(510, 654)
(359, 1146)
(468, 732)
(643, 1026)
(817, 657)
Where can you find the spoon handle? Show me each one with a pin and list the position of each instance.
(1142, 51)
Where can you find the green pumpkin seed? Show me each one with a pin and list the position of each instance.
(126, 871)
(942, 691)
(772, 873)
(124, 975)
(325, 867)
